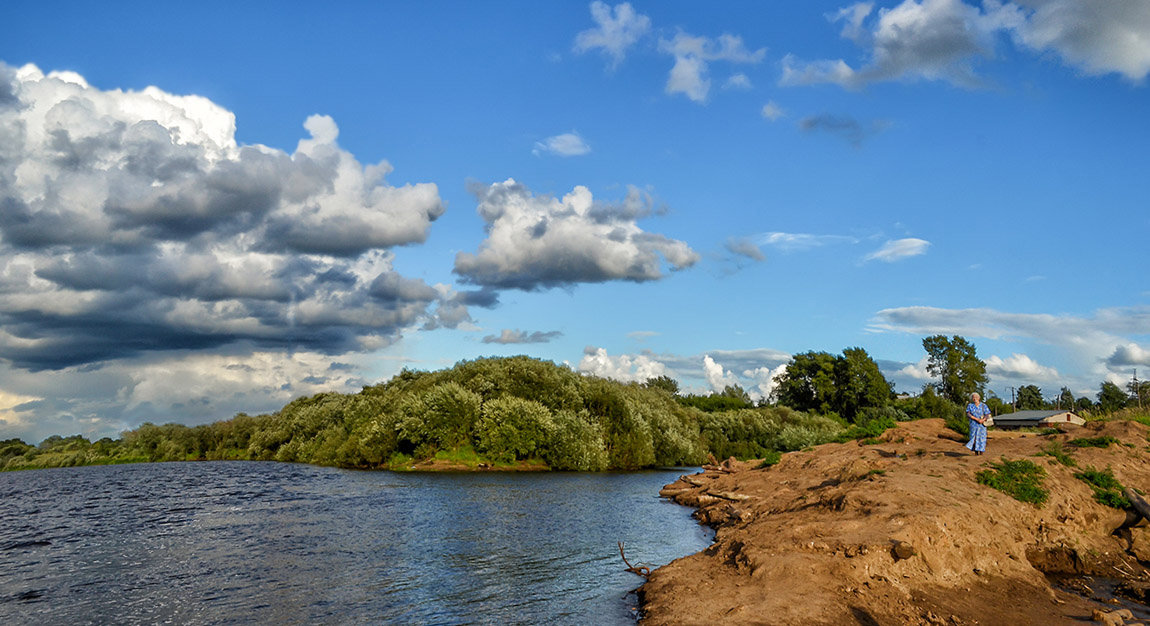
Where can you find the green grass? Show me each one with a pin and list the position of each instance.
(1093, 442)
(1107, 489)
(771, 458)
(1021, 480)
(1055, 449)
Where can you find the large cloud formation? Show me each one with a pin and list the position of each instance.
(538, 242)
(131, 221)
(943, 39)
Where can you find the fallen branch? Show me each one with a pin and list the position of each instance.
(1140, 503)
(641, 570)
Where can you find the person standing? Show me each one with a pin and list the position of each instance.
(977, 413)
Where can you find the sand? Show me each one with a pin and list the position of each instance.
(900, 532)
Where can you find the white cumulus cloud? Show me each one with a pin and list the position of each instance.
(1019, 367)
(624, 367)
(133, 222)
(538, 242)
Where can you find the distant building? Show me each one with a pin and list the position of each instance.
(1037, 419)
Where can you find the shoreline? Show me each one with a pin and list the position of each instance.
(900, 531)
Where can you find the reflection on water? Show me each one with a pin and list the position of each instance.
(238, 542)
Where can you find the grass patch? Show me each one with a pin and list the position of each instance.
(868, 431)
(1021, 480)
(1093, 442)
(875, 472)
(1107, 489)
(771, 458)
(1055, 449)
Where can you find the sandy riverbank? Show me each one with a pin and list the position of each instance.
(900, 532)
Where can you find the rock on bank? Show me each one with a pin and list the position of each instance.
(900, 532)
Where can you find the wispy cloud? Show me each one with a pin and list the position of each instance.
(509, 336)
(796, 242)
(772, 111)
(693, 55)
(843, 126)
(565, 145)
(743, 246)
(899, 249)
(738, 81)
(616, 30)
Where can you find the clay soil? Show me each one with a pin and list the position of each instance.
(900, 532)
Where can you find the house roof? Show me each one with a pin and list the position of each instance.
(1029, 416)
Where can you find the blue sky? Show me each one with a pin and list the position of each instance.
(219, 207)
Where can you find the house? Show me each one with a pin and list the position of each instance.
(1037, 419)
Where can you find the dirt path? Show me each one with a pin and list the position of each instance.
(900, 532)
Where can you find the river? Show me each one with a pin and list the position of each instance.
(247, 542)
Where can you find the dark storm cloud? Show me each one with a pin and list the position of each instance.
(131, 222)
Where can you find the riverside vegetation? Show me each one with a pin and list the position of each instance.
(520, 412)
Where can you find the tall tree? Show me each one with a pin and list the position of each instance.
(859, 383)
(808, 384)
(1029, 398)
(821, 382)
(1065, 399)
(955, 362)
(1111, 397)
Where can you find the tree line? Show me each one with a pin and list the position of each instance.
(516, 410)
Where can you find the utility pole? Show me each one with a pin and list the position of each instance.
(1012, 401)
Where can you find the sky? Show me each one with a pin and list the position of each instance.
(217, 207)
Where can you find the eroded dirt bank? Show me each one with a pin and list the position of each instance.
(900, 532)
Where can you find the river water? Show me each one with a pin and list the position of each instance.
(246, 542)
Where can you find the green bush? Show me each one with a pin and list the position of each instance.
(1021, 480)
(1107, 489)
(512, 428)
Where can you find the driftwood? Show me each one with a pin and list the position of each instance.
(1140, 504)
(692, 481)
(730, 495)
(718, 468)
(641, 570)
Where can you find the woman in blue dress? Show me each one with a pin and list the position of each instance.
(978, 413)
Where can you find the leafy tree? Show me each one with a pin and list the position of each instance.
(997, 406)
(1111, 397)
(1065, 399)
(1084, 404)
(666, 383)
(955, 362)
(859, 384)
(824, 383)
(1029, 398)
(808, 383)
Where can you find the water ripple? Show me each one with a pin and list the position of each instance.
(234, 542)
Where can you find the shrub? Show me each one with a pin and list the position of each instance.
(512, 428)
(1021, 480)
